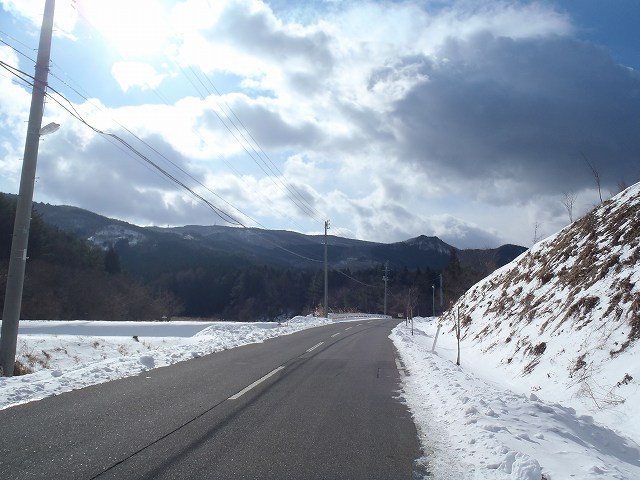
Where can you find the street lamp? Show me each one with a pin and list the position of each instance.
(49, 128)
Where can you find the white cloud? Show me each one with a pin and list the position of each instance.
(465, 120)
(136, 74)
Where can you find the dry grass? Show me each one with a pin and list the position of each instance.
(634, 323)
(580, 364)
(530, 366)
(21, 369)
(539, 349)
(33, 360)
(551, 284)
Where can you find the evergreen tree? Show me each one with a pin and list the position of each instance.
(453, 278)
(112, 261)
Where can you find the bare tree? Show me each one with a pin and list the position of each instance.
(412, 300)
(536, 228)
(596, 175)
(622, 186)
(569, 200)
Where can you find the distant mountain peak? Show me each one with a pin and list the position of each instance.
(426, 243)
(215, 243)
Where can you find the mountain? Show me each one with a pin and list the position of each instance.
(572, 300)
(174, 247)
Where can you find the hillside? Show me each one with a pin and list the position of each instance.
(563, 319)
(198, 244)
(249, 273)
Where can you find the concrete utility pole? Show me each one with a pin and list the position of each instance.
(326, 272)
(386, 279)
(18, 259)
(433, 300)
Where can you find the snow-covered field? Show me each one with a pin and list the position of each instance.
(471, 425)
(477, 423)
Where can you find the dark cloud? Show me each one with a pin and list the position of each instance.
(258, 32)
(268, 127)
(105, 177)
(526, 111)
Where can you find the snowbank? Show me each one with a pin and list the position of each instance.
(69, 355)
(473, 427)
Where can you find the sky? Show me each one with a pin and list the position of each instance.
(474, 121)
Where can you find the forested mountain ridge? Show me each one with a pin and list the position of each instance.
(68, 278)
(276, 248)
(251, 274)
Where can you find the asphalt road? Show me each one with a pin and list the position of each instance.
(318, 404)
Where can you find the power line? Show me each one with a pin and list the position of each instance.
(14, 48)
(315, 213)
(157, 152)
(84, 95)
(356, 280)
(261, 153)
(74, 113)
(272, 171)
(230, 219)
(251, 151)
(147, 162)
(221, 213)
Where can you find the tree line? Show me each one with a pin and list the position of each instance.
(68, 278)
(264, 293)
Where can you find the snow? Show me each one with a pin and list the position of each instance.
(548, 385)
(475, 423)
(471, 424)
(68, 355)
(110, 234)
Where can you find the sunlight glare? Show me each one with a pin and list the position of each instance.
(136, 29)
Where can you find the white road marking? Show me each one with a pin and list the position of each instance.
(256, 383)
(314, 347)
(335, 334)
(349, 328)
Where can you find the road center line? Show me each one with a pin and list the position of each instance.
(314, 347)
(335, 334)
(348, 328)
(256, 383)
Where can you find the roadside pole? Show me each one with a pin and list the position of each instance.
(326, 272)
(18, 258)
(458, 334)
(435, 340)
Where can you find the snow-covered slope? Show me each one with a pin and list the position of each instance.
(563, 319)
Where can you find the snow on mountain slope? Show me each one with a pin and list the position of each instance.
(563, 319)
(110, 234)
